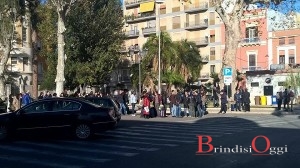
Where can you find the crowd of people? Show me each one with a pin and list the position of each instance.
(286, 98)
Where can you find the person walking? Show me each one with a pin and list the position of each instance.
(26, 99)
(279, 100)
(292, 96)
(224, 102)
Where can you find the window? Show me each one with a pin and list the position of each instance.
(212, 69)
(252, 60)
(24, 33)
(212, 51)
(212, 39)
(25, 64)
(291, 59)
(176, 22)
(281, 41)
(281, 83)
(39, 107)
(197, 18)
(281, 59)
(162, 11)
(104, 103)
(252, 32)
(65, 105)
(14, 60)
(254, 84)
(292, 40)
(40, 68)
(175, 9)
(212, 18)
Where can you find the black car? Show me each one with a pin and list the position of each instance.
(108, 103)
(83, 118)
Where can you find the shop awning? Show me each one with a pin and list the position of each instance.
(146, 7)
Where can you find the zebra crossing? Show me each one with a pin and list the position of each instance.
(124, 142)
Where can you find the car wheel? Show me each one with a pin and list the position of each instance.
(3, 132)
(83, 131)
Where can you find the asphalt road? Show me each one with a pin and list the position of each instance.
(164, 143)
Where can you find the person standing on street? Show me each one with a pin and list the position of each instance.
(292, 96)
(246, 100)
(133, 102)
(238, 100)
(224, 102)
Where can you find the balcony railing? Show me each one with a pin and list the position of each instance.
(192, 8)
(134, 3)
(251, 68)
(200, 24)
(249, 41)
(132, 33)
(204, 76)
(141, 17)
(202, 41)
(149, 30)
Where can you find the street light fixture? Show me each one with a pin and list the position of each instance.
(159, 52)
(140, 54)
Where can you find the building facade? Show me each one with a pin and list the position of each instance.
(196, 21)
(20, 60)
(252, 54)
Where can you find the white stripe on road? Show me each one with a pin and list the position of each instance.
(36, 162)
(188, 127)
(159, 132)
(174, 130)
(144, 138)
(142, 143)
(40, 152)
(79, 149)
(113, 146)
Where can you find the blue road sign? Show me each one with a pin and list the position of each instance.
(227, 71)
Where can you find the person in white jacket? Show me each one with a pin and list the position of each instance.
(133, 101)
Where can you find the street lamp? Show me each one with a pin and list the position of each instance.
(159, 52)
(140, 54)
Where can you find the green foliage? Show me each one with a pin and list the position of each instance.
(215, 77)
(293, 80)
(93, 38)
(46, 26)
(182, 58)
(171, 77)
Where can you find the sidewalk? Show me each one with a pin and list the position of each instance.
(253, 110)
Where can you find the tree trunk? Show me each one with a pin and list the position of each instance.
(35, 65)
(232, 38)
(60, 76)
(3, 61)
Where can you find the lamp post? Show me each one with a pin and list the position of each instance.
(159, 52)
(140, 54)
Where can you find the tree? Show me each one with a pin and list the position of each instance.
(181, 58)
(46, 28)
(293, 80)
(93, 41)
(9, 11)
(231, 11)
(62, 8)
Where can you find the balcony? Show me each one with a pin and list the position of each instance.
(251, 68)
(196, 25)
(205, 59)
(140, 17)
(135, 48)
(193, 8)
(149, 30)
(134, 3)
(204, 76)
(132, 34)
(203, 41)
(250, 41)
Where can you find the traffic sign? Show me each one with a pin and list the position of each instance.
(227, 71)
(227, 79)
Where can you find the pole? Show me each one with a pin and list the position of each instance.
(140, 85)
(159, 67)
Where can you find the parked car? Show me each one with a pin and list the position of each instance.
(81, 117)
(108, 103)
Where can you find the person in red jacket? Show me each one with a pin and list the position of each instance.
(146, 105)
